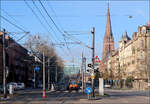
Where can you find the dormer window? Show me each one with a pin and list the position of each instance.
(143, 30)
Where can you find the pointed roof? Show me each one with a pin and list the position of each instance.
(108, 31)
(125, 37)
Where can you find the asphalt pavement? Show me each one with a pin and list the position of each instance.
(34, 96)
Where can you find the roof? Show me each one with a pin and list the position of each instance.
(125, 37)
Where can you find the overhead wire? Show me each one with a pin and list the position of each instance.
(59, 30)
(51, 7)
(16, 22)
(37, 17)
(54, 21)
(11, 17)
(60, 27)
(20, 28)
(16, 27)
(45, 20)
(65, 35)
(50, 17)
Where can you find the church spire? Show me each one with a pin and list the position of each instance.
(108, 44)
(108, 31)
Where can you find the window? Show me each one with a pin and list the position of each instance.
(128, 63)
(138, 49)
(133, 50)
(133, 61)
(142, 43)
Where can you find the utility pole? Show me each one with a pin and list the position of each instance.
(93, 55)
(34, 77)
(4, 65)
(44, 76)
(56, 74)
(82, 73)
(48, 74)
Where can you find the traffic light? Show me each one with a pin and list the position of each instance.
(90, 65)
(96, 70)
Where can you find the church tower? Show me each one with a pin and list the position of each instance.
(108, 43)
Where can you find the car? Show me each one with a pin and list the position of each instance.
(2, 90)
(20, 86)
(12, 83)
(73, 86)
(107, 86)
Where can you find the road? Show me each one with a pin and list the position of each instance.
(65, 97)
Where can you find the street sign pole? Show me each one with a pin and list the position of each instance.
(93, 55)
(35, 69)
(88, 91)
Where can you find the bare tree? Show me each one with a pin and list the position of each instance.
(38, 44)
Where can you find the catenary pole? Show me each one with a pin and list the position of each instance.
(4, 65)
(48, 74)
(93, 55)
(44, 76)
(82, 73)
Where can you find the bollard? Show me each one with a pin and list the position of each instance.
(101, 87)
(52, 87)
(11, 89)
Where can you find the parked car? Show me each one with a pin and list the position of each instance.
(2, 90)
(14, 84)
(20, 86)
(107, 86)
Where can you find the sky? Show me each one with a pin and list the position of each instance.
(75, 17)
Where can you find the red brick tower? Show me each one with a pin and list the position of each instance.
(108, 43)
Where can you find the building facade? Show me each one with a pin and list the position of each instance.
(16, 61)
(132, 58)
(130, 62)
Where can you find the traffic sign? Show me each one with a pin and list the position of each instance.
(96, 59)
(88, 90)
(37, 68)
